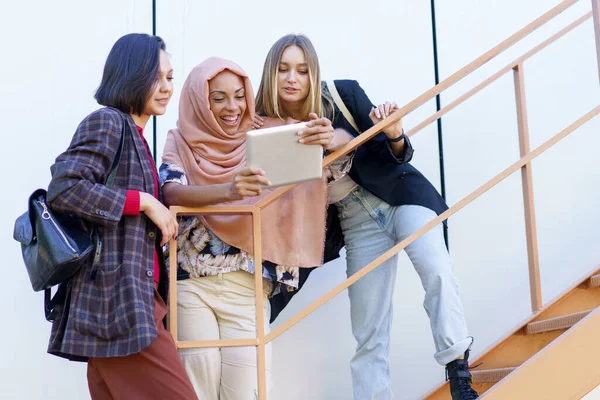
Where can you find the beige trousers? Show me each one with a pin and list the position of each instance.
(221, 307)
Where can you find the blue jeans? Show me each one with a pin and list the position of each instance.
(371, 227)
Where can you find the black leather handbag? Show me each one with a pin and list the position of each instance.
(55, 245)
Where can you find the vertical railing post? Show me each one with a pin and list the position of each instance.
(260, 320)
(596, 18)
(173, 288)
(527, 180)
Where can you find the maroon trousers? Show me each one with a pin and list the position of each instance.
(156, 372)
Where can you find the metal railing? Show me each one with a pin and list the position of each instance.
(524, 164)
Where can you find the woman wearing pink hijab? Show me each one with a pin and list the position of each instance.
(203, 164)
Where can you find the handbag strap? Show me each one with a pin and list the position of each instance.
(109, 182)
(117, 160)
(54, 305)
(340, 104)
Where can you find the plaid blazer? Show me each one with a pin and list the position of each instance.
(110, 307)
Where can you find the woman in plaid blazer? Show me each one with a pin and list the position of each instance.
(113, 316)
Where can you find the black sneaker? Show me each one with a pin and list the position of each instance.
(457, 372)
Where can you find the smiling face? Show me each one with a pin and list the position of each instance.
(163, 90)
(227, 98)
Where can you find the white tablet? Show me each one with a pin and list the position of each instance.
(276, 151)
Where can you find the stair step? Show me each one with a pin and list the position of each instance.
(594, 281)
(556, 323)
(491, 375)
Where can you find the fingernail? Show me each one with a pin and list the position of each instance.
(300, 132)
(301, 141)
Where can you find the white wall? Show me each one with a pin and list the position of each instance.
(56, 52)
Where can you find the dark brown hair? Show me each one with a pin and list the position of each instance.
(130, 72)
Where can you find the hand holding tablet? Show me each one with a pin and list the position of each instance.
(248, 182)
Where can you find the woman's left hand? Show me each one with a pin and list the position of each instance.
(317, 131)
(382, 111)
(258, 122)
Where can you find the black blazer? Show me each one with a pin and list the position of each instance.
(376, 169)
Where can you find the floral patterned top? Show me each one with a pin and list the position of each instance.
(201, 253)
(339, 168)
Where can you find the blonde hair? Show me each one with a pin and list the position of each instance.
(267, 97)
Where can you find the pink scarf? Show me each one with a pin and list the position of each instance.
(293, 227)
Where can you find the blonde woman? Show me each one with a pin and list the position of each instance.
(381, 199)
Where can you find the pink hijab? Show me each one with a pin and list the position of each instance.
(293, 227)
